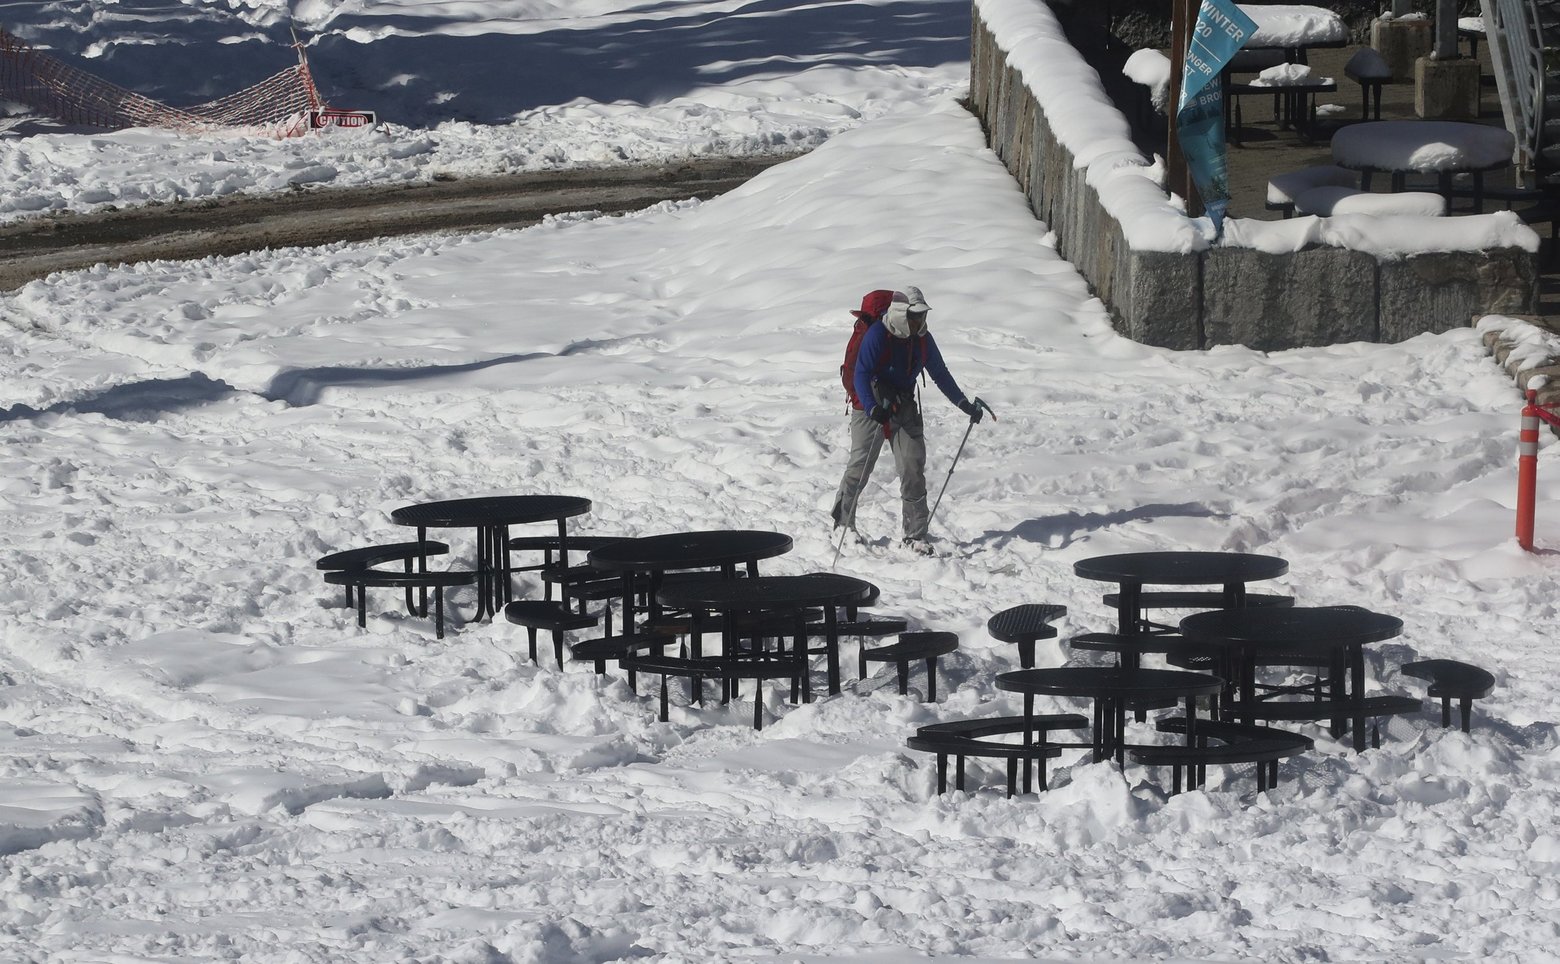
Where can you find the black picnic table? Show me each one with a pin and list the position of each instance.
(1338, 633)
(1131, 571)
(491, 517)
(651, 557)
(781, 596)
(1111, 689)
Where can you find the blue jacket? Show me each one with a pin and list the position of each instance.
(897, 362)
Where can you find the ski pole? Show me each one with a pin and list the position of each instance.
(949, 477)
(877, 448)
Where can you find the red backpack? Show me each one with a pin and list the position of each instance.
(872, 308)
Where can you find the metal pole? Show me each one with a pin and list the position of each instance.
(1183, 13)
(949, 476)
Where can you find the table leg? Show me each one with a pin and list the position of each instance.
(563, 561)
(629, 614)
(508, 570)
(496, 560)
(831, 633)
(1191, 738)
(1234, 595)
(1248, 682)
(1129, 615)
(1118, 732)
(1338, 671)
(484, 573)
(801, 652)
(1356, 657)
(1100, 739)
(422, 566)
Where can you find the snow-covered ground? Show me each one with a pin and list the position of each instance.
(471, 88)
(203, 758)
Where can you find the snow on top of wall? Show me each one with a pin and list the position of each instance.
(1531, 346)
(1087, 123)
(1388, 237)
(1085, 120)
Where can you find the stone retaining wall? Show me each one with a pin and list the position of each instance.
(1229, 295)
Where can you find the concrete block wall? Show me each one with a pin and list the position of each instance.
(1228, 295)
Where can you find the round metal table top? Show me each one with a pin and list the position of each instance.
(492, 510)
(1319, 625)
(690, 550)
(1181, 568)
(766, 593)
(1422, 146)
(1097, 681)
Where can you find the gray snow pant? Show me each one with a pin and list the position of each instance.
(907, 440)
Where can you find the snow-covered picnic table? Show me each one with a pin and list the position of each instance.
(1294, 26)
(1443, 148)
(1294, 87)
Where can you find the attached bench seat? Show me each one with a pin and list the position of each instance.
(367, 557)
(364, 579)
(728, 669)
(603, 648)
(551, 546)
(1451, 680)
(865, 626)
(1238, 743)
(1354, 710)
(1025, 625)
(923, 645)
(1282, 189)
(1128, 644)
(1200, 600)
(1370, 70)
(555, 617)
(1194, 600)
(1327, 202)
(962, 738)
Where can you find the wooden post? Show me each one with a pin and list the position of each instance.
(1183, 13)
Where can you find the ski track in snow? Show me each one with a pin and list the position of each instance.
(205, 758)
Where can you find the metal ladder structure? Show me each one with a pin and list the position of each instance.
(1524, 46)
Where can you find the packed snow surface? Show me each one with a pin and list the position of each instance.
(203, 758)
(471, 87)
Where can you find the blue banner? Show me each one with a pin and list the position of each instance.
(1221, 29)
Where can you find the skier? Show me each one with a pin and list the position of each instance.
(892, 353)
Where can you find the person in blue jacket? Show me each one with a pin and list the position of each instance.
(893, 354)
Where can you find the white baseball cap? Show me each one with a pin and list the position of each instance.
(917, 302)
